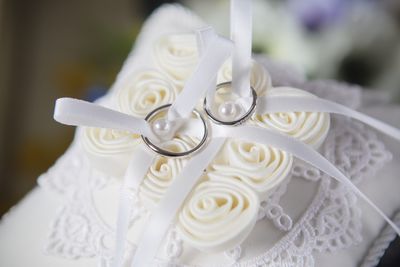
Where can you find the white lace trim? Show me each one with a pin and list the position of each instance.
(331, 222)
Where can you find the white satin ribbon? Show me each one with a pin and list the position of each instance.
(300, 150)
(215, 50)
(215, 53)
(80, 113)
(273, 104)
(75, 112)
(204, 80)
(241, 35)
(241, 20)
(204, 38)
(164, 215)
(196, 86)
(137, 169)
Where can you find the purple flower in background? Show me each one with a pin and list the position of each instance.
(314, 14)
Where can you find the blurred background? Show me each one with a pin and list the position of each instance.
(54, 48)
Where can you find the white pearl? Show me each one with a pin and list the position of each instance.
(228, 110)
(162, 127)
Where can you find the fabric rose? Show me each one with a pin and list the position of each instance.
(177, 55)
(259, 166)
(218, 215)
(308, 127)
(109, 150)
(260, 79)
(163, 171)
(141, 93)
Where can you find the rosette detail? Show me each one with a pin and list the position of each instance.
(163, 171)
(218, 215)
(159, 177)
(260, 79)
(109, 150)
(177, 55)
(259, 166)
(141, 93)
(308, 127)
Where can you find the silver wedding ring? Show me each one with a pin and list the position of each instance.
(150, 118)
(235, 122)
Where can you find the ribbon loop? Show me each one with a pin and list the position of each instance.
(204, 37)
(76, 112)
(233, 115)
(216, 51)
(241, 35)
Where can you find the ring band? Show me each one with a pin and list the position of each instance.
(239, 121)
(168, 153)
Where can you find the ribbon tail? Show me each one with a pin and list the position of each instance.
(204, 37)
(300, 150)
(203, 76)
(77, 112)
(137, 169)
(273, 104)
(241, 35)
(169, 205)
